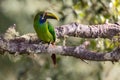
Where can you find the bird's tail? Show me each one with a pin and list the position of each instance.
(53, 56)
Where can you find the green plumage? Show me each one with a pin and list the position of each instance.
(45, 31)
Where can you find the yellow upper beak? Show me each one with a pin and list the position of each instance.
(50, 15)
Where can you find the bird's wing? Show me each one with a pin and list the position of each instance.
(52, 31)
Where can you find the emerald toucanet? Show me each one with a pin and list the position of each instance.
(45, 31)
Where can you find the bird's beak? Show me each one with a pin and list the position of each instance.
(50, 15)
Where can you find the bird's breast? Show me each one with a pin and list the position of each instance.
(43, 32)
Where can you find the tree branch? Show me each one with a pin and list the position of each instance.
(12, 42)
(107, 30)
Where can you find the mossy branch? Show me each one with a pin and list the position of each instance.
(13, 43)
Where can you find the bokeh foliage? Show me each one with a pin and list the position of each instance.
(24, 67)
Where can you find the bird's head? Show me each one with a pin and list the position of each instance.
(43, 16)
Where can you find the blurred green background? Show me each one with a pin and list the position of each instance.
(24, 67)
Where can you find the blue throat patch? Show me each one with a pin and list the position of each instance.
(41, 21)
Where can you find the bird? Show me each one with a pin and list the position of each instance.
(45, 30)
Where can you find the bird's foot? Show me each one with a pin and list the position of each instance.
(52, 45)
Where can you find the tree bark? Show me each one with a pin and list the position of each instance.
(13, 43)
